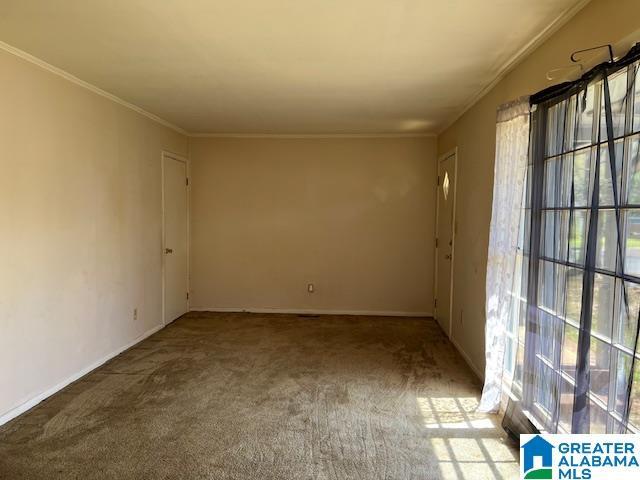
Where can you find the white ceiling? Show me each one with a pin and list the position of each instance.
(284, 66)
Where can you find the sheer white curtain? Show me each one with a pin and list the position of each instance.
(512, 145)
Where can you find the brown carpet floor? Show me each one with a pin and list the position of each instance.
(250, 396)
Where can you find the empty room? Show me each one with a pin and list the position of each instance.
(319, 240)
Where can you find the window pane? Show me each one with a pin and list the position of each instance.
(578, 236)
(566, 180)
(516, 287)
(603, 298)
(622, 371)
(524, 277)
(522, 321)
(561, 294)
(618, 96)
(632, 174)
(598, 418)
(548, 234)
(544, 387)
(547, 286)
(631, 219)
(566, 405)
(606, 197)
(524, 232)
(607, 247)
(549, 336)
(627, 315)
(555, 128)
(634, 409)
(551, 181)
(555, 226)
(509, 355)
(636, 109)
(570, 124)
(517, 376)
(599, 361)
(573, 289)
(562, 235)
(584, 127)
(570, 350)
(582, 181)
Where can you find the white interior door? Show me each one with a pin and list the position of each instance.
(445, 240)
(175, 237)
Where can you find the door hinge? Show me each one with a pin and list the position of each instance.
(187, 180)
(436, 243)
(435, 303)
(187, 295)
(438, 184)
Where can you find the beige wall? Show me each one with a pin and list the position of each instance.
(80, 228)
(353, 216)
(600, 22)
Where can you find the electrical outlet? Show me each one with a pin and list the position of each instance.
(135, 313)
(310, 288)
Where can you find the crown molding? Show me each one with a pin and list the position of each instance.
(553, 27)
(312, 135)
(518, 57)
(73, 79)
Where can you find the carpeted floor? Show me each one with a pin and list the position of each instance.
(261, 397)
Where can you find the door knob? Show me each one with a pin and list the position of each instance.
(168, 250)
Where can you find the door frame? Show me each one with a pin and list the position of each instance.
(180, 158)
(451, 153)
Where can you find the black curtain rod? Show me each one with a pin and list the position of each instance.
(566, 89)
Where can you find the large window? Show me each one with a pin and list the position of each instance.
(572, 344)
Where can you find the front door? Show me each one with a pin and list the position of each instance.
(445, 239)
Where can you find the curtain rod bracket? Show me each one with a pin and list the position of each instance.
(608, 46)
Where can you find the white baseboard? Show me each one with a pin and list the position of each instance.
(302, 311)
(23, 407)
(467, 359)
